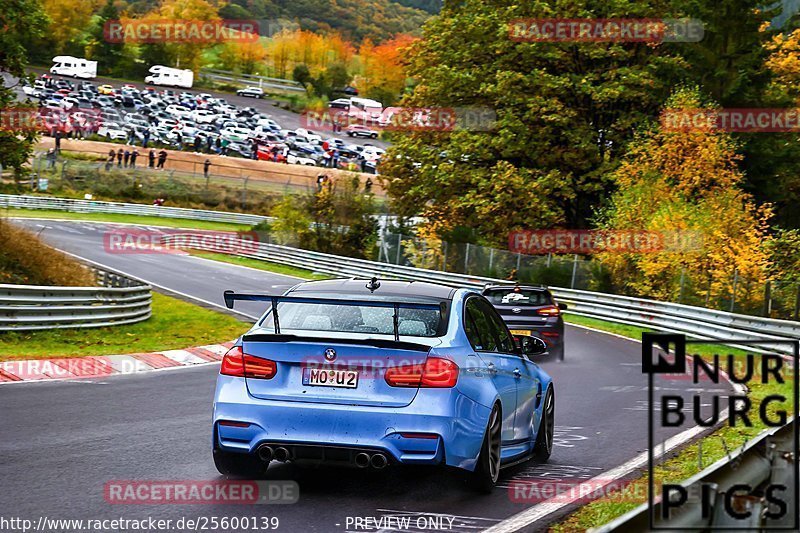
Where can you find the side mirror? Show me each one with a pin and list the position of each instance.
(563, 307)
(532, 345)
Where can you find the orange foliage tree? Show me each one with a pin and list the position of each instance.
(382, 68)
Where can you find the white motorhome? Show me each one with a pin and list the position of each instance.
(365, 110)
(77, 67)
(173, 77)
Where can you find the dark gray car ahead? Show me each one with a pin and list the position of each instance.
(530, 310)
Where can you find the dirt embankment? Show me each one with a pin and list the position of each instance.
(232, 167)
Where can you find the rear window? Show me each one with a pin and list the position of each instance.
(293, 316)
(518, 296)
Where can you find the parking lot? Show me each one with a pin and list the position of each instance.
(243, 125)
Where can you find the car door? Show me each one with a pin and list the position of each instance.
(527, 380)
(479, 330)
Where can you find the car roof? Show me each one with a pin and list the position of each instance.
(388, 290)
(510, 286)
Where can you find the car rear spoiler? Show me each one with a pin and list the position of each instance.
(231, 297)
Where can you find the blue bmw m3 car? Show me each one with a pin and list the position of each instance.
(374, 373)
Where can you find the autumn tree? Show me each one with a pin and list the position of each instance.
(564, 112)
(68, 20)
(246, 56)
(686, 186)
(22, 21)
(110, 56)
(383, 69)
(179, 54)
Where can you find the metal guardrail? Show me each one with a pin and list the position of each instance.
(770, 458)
(93, 206)
(695, 322)
(119, 300)
(252, 80)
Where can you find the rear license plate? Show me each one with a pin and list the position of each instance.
(329, 377)
(523, 332)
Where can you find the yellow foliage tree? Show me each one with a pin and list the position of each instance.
(187, 54)
(243, 56)
(784, 62)
(68, 18)
(687, 184)
(299, 47)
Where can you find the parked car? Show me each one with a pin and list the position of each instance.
(112, 132)
(252, 92)
(357, 130)
(296, 158)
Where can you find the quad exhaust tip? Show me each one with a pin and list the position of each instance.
(379, 461)
(281, 454)
(265, 453)
(362, 460)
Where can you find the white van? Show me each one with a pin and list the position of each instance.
(173, 77)
(77, 67)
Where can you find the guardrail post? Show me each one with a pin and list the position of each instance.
(733, 291)
(683, 279)
(399, 247)
(444, 257)
(797, 303)
(767, 298)
(491, 258)
(574, 271)
(519, 259)
(466, 260)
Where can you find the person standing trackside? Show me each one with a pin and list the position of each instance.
(162, 158)
(120, 155)
(127, 157)
(58, 141)
(206, 165)
(152, 158)
(134, 155)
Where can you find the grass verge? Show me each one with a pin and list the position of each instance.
(261, 265)
(692, 458)
(121, 218)
(175, 324)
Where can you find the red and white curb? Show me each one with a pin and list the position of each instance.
(109, 365)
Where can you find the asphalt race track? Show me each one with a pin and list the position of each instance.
(62, 441)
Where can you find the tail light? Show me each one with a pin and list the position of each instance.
(435, 373)
(239, 364)
(549, 311)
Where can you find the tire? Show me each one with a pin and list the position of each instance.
(544, 437)
(238, 464)
(374, 136)
(484, 477)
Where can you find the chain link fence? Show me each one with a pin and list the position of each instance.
(775, 298)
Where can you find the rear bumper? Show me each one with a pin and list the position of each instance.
(456, 422)
(552, 333)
